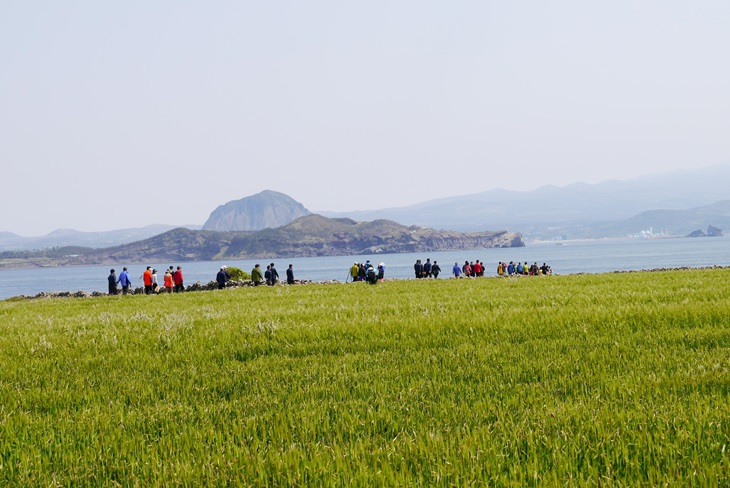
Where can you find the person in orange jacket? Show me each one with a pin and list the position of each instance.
(167, 281)
(147, 279)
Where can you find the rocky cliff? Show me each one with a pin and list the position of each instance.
(268, 209)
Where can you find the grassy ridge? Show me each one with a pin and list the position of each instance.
(583, 378)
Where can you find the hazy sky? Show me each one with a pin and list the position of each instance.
(123, 114)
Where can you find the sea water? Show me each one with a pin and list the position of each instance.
(565, 257)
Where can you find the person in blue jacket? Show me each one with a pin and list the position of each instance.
(124, 281)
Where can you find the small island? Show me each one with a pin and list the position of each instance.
(711, 232)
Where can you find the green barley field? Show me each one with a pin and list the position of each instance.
(615, 379)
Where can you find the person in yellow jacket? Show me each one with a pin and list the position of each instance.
(354, 272)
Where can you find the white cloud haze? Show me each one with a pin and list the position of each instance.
(128, 114)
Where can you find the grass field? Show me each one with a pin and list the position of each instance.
(616, 379)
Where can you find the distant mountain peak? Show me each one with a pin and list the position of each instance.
(266, 209)
(577, 210)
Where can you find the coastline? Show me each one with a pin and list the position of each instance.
(213, 286)
(593, 257)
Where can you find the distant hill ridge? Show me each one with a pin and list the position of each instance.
(311, 235)
(70, 237)
(579, 210)
(677, 203)
(267, 209)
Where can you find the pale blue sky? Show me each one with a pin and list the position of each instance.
(125, 114)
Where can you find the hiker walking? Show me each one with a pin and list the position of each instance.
(435, 269)
(222, 277)
(112, 282)
(256, 275)
(124, 280)
(177, 278)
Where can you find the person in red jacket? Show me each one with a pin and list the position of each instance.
(177, 278)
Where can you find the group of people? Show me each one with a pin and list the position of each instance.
(427, 269)
(172, 281)
(367, 272)
(271, 275)
(470, 269)
(476, 268)
(504, 269)
(473, 269)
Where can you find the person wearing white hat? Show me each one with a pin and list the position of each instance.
(354, 271)
(222, 277)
